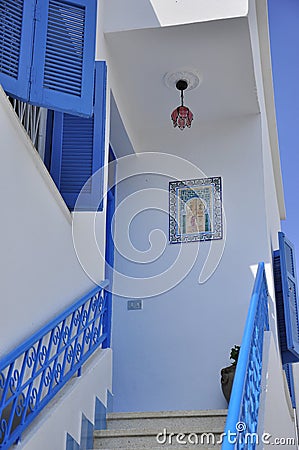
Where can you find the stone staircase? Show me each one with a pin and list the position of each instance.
(162, 430)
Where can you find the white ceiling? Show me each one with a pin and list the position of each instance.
(219, 50)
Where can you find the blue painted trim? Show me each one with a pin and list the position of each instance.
(87, 428)
(48, 142)
(32, 374)
(109, 249)
(100, 422)
(245, 396)
(110, 261)
(56, 153)
(71, 444)
(86, 441)
(109, 401)
(98, 157)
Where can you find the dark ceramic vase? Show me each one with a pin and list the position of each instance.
(227, 379)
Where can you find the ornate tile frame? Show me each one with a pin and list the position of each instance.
(195, 210)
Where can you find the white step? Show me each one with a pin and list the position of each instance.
(140, 430)
(163, 447)
(147, 439)
(203, 420)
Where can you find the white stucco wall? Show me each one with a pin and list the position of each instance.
(134, 14)
(40, 271)
(296, 382)
(278, 420)
(276, 415)
(183, 336)
(169, 354)
(263, 74)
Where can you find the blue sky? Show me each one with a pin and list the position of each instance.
(284, 35)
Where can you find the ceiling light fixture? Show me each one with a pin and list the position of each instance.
(182, 116)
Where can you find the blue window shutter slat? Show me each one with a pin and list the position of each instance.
(63, 58)
(78, 145)
(16, 40)
(286, 300)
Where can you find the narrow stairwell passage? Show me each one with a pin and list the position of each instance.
(165, 429)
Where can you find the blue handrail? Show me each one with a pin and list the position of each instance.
(242, 419)
(32, 374)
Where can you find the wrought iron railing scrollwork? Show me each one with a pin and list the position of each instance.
(32, 374)
(242, 419)
(34, 119)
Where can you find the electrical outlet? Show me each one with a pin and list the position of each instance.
(134, 304)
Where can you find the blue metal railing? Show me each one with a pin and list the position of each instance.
(32, 374)
(242, 419)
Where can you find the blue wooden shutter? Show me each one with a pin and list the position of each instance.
(63, 56)
(286, 300)
(16, 37)
(78, 145)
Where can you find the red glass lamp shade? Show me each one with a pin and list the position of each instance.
(182, 116)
